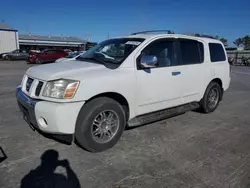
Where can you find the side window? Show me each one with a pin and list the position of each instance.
(216, 52)
(163, 50)
(191, 51)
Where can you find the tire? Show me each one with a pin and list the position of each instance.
(84, 132)
(38, 61)
(206, 104)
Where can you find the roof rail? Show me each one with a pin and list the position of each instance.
(201, 35)
(154, 31)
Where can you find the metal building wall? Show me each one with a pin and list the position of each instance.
(8, 41)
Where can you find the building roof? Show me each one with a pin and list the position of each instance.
(50, 38)
(6, 27)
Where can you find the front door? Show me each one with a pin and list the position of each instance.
(48, 56)
(159, 87)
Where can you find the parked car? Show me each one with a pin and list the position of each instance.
(68, 51)
(71, 57)
(127, 81)
(16, 55)
(46, 56)
(2, 55)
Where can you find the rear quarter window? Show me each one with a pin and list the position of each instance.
(217, 52)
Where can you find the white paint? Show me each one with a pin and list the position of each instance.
(8, 41)
(144, 91)
(60, 117)
(157, 90)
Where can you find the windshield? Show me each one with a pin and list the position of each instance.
(72, 55)
(112, 50)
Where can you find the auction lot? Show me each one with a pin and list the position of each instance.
(190, 150)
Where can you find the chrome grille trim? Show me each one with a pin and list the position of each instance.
(34, 87)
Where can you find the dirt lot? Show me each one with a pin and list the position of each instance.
(190, 150)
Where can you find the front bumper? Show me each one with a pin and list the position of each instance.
(56, 119)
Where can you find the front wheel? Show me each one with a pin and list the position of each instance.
(100, 124)
(38, 61)
(211, 98)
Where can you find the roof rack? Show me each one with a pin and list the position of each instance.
(201, 35)
(154, 31)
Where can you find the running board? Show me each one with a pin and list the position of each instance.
(162, 114)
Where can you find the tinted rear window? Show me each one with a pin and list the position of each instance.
(216, 52)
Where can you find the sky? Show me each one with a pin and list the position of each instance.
(99, 19)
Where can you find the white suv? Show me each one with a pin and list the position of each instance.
(125, 81)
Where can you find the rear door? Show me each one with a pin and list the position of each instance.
(58, 54)
(193, 69)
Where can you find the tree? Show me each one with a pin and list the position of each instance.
(224, 41)
(238, 42)
(246, 42)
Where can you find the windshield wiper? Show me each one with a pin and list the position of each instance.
(93, 59)
(111, 61)
(102, 57)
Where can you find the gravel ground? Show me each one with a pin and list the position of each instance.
(190, 150)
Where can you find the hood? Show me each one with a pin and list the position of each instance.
(65, 69)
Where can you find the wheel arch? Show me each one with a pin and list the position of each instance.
(117, 97)
(218, 81)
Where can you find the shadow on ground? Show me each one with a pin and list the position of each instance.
(3, 156)
(44, 176)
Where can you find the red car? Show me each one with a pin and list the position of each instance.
(46, 56)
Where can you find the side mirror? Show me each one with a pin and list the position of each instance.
(148, 61)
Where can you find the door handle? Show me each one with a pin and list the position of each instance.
(176, 73)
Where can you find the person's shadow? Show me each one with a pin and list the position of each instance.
(45, 177)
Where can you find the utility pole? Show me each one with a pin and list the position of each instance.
(86, 38)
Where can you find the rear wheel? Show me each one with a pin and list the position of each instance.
(100, 124)
(211, 98)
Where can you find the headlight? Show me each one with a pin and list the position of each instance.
(60, 89)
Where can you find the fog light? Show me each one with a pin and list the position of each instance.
(42, 122)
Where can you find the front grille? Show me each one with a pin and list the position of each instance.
(29, 83)
(38, 88)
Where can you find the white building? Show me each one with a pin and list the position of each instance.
(8, 38)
